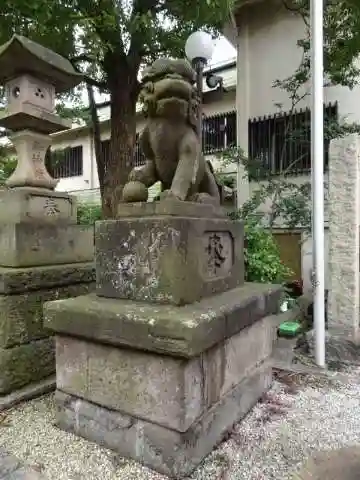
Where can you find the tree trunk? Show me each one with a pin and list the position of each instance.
(95, 130)
(123, 86)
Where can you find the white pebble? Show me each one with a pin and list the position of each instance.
(270, 443)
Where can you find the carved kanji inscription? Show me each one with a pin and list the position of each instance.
(218, 254)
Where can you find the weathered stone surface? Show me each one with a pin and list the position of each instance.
(8, 464)
(165, 450)
(21, 316)
(34, 244)
(168, 259)
(34, 204)
(166, 390)
(344, 239)
(172, 208)
(23, 394)
(340, 349)
(12, 469)
(185, 331)
(25, 364)
(36, 120)
(343, 464)
(20, 280)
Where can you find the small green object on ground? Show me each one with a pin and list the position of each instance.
(289, 329)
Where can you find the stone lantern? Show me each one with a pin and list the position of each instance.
(44, 254)
(32, 74)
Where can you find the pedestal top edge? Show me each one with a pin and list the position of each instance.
(171, 208)
(165, 329)
(44, 192)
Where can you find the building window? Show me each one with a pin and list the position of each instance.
(67, 163)
(281, 143)
(219, 132)
(139, 157)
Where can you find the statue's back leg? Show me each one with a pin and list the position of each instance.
(208, 184)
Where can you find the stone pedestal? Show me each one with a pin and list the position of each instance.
(44, 256)
(173, 347)
(344, 225)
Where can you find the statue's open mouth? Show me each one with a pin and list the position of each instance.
(170, 88)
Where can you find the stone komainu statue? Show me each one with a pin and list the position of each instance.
(170, 141)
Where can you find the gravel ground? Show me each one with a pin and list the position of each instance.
(297, 417)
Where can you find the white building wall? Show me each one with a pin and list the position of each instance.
(267, 42)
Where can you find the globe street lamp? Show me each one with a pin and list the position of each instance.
(199, 49)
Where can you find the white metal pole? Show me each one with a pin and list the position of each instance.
(317, 171)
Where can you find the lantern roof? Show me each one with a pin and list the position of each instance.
(21, 56)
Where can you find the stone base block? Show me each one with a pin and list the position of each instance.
(168, 451)
(32, 244)
(163, 389)
(166, 329)
(24, 394)
(24, 364)
(21, 280)
(21, 315)
(35, 204)
(167, 258)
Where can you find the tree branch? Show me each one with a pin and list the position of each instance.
(137, 49)
(95, 83)
(300, 10)
(87, 79)
(81, 58)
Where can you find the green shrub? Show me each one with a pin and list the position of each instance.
(262, 256)
(88, 213)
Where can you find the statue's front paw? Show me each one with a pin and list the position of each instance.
(136, 175)
(168, 195)
(204, 198)
(134, 191)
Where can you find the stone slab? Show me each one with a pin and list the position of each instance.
(25, 364)
(172, 208)
(168, 259)
(8, 464)
(35, 119)
(21, 315)
(161, 389)
(28, 279)
(343, 463)
(36, 204)
(33, 244)
(340, 347)
(164, 450)
(344, 235)
(28, 392)
(186, 331)
(11, 468)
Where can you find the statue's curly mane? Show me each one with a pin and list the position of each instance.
(157, 90)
